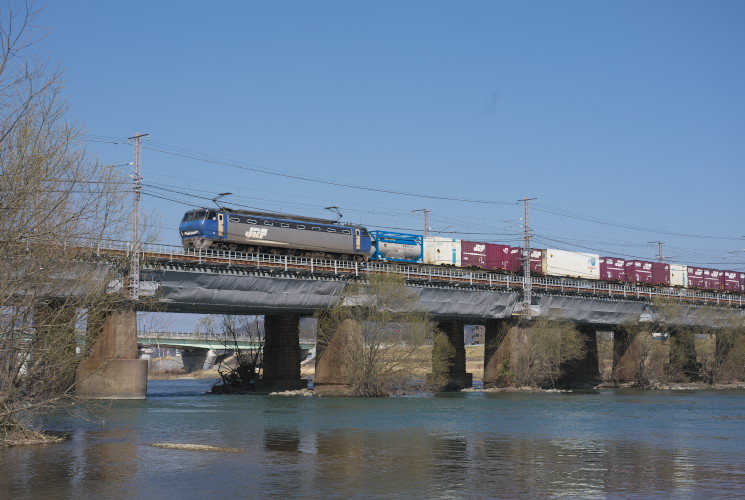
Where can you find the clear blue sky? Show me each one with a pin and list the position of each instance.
(631, 113)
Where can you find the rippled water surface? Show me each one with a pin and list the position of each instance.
(606, 444)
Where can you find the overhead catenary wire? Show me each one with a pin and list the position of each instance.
(586, 218)
(462, 223)
(244, 166)
(208, 158)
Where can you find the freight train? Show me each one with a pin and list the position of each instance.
(262, 232)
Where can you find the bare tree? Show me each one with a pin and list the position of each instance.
(55, 206)
(682, 343)
(443, 354)
(717, 344)
(243, 370)
(540, 349)
(645, 355)
(374, 333)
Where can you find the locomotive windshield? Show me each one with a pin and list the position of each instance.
(199, 215)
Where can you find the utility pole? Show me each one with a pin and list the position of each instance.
(660, 255)
(134, 270)
(527, 281)
(426, 219)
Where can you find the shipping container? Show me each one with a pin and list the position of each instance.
(732, 281)
(660, 273)
(704, 278)
(442, 251)
(696, 277)
(514, 260)
(537, 261)
(679, 275)
(573, 264)
(399, 247)
(474, 254)
(483, 255)
(502, 258)
(639, 271)
(741, 279)
(612, 269)
(713, 279)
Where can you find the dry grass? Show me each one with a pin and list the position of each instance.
(420, 362)
(25, 437)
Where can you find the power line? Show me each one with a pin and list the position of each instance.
(248, 167)
(585, 218)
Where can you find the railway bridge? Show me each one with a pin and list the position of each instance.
(284, 288)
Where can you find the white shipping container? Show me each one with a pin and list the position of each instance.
(442, 251)
(573, 264)
(678, 275)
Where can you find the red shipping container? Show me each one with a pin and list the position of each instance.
(696, 277)
(536, 261)
(612, 269)
(713, 279)
(704, 278)
(660, 273)
(474, 254)
(639, 271)
(485, 255)
(502, 258)
(515, 260)
(731, 281)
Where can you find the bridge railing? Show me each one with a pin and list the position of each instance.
(451, 275)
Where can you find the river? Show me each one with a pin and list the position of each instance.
(602, 444)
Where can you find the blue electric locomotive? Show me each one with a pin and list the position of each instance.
(262, 232)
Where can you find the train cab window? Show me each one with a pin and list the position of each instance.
(300, 226)
(212, 215)
(195, 215)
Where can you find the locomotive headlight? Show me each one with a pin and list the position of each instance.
(190, 233)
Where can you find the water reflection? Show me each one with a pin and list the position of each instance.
(279, 440)
(525, 446)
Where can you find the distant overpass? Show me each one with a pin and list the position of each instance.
(181, 340)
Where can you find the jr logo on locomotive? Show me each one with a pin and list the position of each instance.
(256, 233)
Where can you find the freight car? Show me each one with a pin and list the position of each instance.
(262, 232)
(397, 247)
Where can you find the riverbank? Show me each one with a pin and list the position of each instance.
(172, 369)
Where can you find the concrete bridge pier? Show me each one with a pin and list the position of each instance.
(641, 357)
(604, 340)
(497, 350)
(195, 359)
(457, 376)
(281, 363)
(111, 369)
(332, 373)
